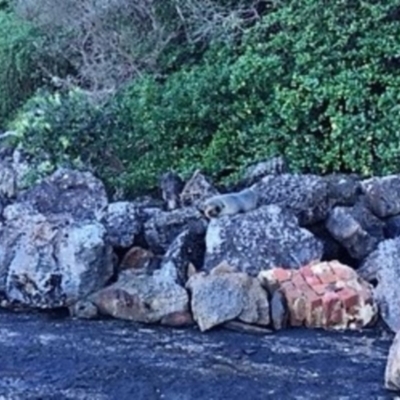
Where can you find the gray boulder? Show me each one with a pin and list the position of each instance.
(197, 189)
(383, 195)
(142, 298)
(187, 248)
(225, 295)
(49, 261)
(272, 166)
(356, 229)
(162, 227)
(79, 194)
(264, 238)
(123, 222)
(306, 196)
(382, 266)
(343, 190)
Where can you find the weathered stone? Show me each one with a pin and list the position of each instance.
(140, 260)
(279, 310)
(392, 370)
(84, 309)
(272, 166)
(383, 195)
(343, 190)
(304, 195)
(77, 193)
(224, 295)
(260, 239)
(383, 266)
(178, 319)
(13, 170)
(326, 295)
(171, 186)
(188, 248)
(142, 298)
(163, 227)
(392, 227)
(123, 223)
(51, 261)
(197, 190)
(356, 229)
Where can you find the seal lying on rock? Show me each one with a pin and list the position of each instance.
(230, 203)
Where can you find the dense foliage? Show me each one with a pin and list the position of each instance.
(316, 81)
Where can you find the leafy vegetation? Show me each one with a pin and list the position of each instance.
(316, 81)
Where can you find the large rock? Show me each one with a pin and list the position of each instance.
(260, 239)
(272, 166)
(356, 229)
(383, 195)
(392, 371)
(197, 190)
(142, 298)
(14, 168)
(123, 223)
(304, 195)
(77, 193)
(343, 190)
(383, 266)
(51, 261)
(161, 229)
(225, 295)
(188, 248)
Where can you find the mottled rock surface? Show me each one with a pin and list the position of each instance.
(225, 295)
(79, 194)
(51, 261)
(383, 266)
(260, 239)
(356, 229)
(187, 248)
(123, 223)
(306, 196)
(162, 228)
(392, 371)
(141, 297)
(197, 190)
(383, 195)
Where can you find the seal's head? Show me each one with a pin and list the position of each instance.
(213, 208)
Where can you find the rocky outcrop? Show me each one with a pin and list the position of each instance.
(49, 261)
(161, 229)
(306, 196)
(197, 190)
(356, 229)
(392, 370)
(382, 267)
(123, 223)
(142, 298)
(260, 239)
(76, 193)
(225, 295)
(383, 195)
(257, 171)
(188, 248)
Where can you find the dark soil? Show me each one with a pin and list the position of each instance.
(47, 358)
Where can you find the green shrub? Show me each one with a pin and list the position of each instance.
(19, 74)
(315, 81)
